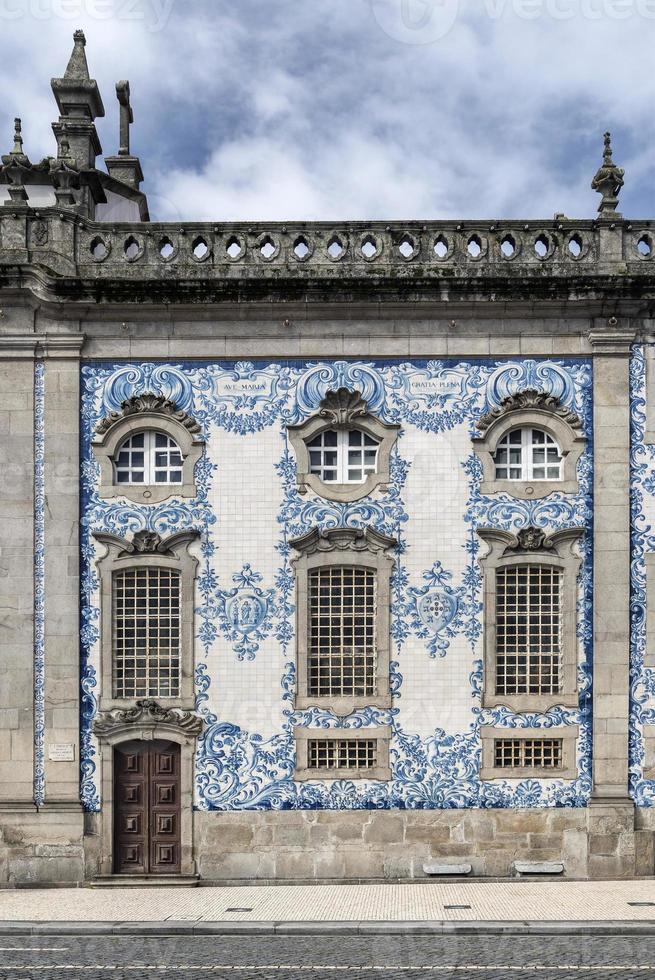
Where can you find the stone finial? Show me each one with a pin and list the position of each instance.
(126, 117)
(18, 138)
(77, 67)
(15, 166)
(608, 180)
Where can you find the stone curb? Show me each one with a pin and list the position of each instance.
(607, 927)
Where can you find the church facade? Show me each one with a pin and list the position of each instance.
(325, 549)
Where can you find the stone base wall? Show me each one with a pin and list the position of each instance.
(41, 848)
(52, 848)
(324, 845)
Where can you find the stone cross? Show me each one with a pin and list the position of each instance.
(126, 118)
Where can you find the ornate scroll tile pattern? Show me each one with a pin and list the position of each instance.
(245, 671)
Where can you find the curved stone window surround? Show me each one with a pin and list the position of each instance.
(342, 410)
(531, 547)
(530, 410)
(344, 547)
(146, 720)
(147, 549)
(147, 413)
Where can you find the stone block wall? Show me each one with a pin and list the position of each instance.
(366, 844)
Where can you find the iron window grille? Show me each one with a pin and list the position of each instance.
(146, 611)
(528, 629)
(342, 613)
(528, 753)
(342, 753)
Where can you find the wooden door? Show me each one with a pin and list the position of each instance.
(147, 808)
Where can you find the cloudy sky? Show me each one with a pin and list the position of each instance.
(329, 109)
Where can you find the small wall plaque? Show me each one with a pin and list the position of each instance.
(61, 752)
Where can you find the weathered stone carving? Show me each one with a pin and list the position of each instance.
(148, 403)
(147, 712)
(342, 407)
(531, 539)
(146, 542)
(530, 400)
(608, 180)
(342, 539)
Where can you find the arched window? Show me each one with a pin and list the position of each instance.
(342, 451)
(529, 446)
(528, 454)
(148, 457)
(147, 451)
(346, 456)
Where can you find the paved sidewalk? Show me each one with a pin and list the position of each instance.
(559, 905)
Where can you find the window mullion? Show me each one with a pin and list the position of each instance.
(342, 456)
(526, 453)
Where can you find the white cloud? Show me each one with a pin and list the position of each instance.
(357, 108)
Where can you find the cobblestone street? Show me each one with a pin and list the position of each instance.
(483, 957)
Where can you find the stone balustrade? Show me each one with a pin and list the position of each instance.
(66, 244)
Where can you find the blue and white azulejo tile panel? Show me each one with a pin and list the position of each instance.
(247, 509)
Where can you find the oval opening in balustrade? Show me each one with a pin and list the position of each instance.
(474, 246)
(541, 246)
(407, 246)
(301, 248)
(575, 246)
(131, 248)
(267, 247)
(369, 247)
(441, 247)
(233, 247)
(335, 248)
(166, 249)
(200, 248)
(99, 249)
(645, 246)
(508, 246)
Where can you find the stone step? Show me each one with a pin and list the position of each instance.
(538, 867)
(138, 881)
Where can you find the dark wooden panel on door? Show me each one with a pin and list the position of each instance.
(147, 808)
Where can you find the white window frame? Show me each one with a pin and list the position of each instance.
(343, 450)
(150, 468)
(527, 464)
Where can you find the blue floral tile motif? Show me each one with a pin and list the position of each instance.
(437, 611)
(244, 604)
(642, 492)
(39, 583)
(245, 613)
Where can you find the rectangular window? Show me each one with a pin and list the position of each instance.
(528, 629)
(342, 753)
(341, 655)
(528, 753)
(146, 633)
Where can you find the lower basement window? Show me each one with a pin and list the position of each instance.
(341, 753)
(359, 754)
(528, 752)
